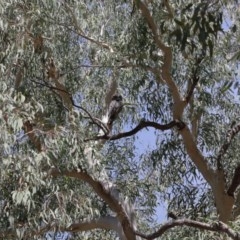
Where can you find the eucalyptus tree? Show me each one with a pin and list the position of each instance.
(65, 169)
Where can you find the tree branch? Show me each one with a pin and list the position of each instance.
(105, 194)
(169, 8)
(216, 179)
(230, 135)
(196, 155)
(215, 227)
(94, 120)
(140, 126)
(194, 80)
(179, 104)
(108, 223)
(28, 130)
(81, 33)
(235, 182)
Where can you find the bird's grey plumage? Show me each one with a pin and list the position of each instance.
(115, 107)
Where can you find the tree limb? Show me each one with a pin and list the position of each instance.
(194, 82)
(194, 79)
(196, 155)
(179, 104)
(230, 135)
(105, 194)
(215, 227)
(140, 126)
(108, 223)
(235, 182)
(216, 179)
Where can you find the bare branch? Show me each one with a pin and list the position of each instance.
(105, 194)
(214, 178)
(215, 227)
(140, 126)
(146, 13)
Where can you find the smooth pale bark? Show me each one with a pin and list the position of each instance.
(224, 202)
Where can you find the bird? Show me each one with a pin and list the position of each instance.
(115, 107)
